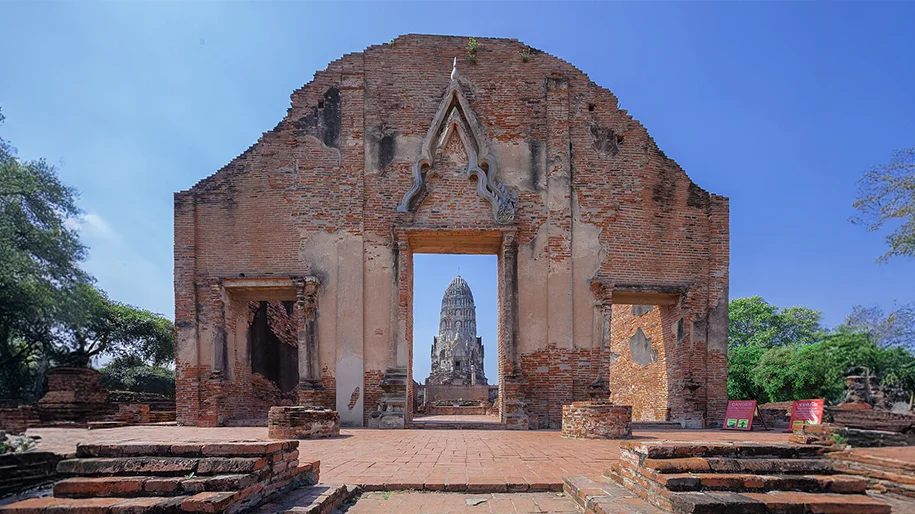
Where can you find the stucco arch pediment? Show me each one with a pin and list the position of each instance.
(454, 118)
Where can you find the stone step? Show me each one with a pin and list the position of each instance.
(678, 450)
(598, 496)
(656, 425)
(132, 486)
(161, 466)
(455, 425)
(158, 449)
(778, 502)
(319, 499)
(103, 505)
(731, 502)
(765, 466)
(737, 482)
(25, 470)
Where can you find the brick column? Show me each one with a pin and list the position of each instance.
(512, 383)
(310, 389)
(393, 410)
(603, 292)
(220, 339)
(187, 358)
(508, 305)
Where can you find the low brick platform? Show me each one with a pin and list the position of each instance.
(889, 470)
(74, 395)
(182, 477)
(596, 420)
(693, 478)
(15, 421)
(827, 434)
(302, 423)
(456, 410)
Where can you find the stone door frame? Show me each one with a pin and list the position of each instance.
(501, 242)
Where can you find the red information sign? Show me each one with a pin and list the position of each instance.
(739, 415)
(806, 412)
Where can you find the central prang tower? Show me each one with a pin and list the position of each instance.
(457, 352)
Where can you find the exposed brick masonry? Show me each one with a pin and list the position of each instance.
(318, 196)
(596, 420)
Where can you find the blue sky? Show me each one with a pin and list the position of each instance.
(779, 106)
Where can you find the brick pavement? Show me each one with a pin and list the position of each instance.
(403, 502)
(454, 460)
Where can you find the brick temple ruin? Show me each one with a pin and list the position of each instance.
(294, 262)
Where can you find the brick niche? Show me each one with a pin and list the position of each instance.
(596, 420)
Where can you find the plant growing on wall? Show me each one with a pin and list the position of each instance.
(472, 46)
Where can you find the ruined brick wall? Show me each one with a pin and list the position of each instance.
(639, 360)
(318, 194)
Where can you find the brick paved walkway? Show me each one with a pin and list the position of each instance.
(429, 503)
(454, 460)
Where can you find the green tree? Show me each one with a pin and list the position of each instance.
(742, 360)
(39, 256)
(887, 193)
(755, 322)
(818, 370)
(95, 325)
(133, 374)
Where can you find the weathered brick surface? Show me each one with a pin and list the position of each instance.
(450, 410)
(74, 395)
(155, 477)
(318, 196)
(302, 423)
(644, 384)
(739, 478)
(15, 421)
(596, 420)
(21, 471)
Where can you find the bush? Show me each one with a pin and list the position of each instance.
(818, 370)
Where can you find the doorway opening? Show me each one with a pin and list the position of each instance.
(455, 357)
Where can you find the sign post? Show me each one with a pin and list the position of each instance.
(805, 412)
(739, 415)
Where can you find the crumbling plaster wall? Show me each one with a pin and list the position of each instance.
(317, 195)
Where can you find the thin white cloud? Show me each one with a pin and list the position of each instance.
(93, 226)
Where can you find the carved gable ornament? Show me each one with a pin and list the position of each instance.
(455, 119)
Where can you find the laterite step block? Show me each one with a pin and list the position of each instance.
(781, 502)
(160, 466)
(131, 486)
(598, 496)
(739, 465)
(678, 450)
(839, 484)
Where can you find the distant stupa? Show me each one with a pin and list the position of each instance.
(457, 352)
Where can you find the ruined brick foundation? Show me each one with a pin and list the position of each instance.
(302, 423)
(596, 420)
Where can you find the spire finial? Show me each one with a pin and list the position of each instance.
(454, 71)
